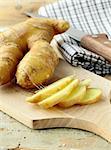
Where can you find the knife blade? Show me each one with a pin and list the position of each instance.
(75, 33)
(97, 43)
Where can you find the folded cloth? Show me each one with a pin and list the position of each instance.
(91, 16)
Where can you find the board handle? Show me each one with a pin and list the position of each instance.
(99, 44)
(98, 122)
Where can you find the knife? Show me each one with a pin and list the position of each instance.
(97, 43)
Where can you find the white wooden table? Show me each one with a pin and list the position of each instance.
(14, 135)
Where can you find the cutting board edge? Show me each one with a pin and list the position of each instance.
(24, 122)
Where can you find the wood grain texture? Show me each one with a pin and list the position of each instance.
(99, 44)
(95, 118)
(12, 133)
(12, 11)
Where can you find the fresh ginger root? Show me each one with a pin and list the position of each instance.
(12, 49)
(38, 65)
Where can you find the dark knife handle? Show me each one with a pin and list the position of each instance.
(99, 44)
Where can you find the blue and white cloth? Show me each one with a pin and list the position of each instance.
(92, 16)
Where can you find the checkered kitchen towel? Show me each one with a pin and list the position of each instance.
(92, 16)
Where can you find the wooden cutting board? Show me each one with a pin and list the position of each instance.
(95, 118)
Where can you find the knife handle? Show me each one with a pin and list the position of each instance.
(99, 44)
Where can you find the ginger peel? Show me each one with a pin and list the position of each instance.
(32, 37)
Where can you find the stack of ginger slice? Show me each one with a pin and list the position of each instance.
(66, 92)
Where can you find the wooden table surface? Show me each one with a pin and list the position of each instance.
(14, 135)
(12, 11)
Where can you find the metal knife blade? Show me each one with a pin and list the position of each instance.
(34, 15)
(75, 33)
(72, 32)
